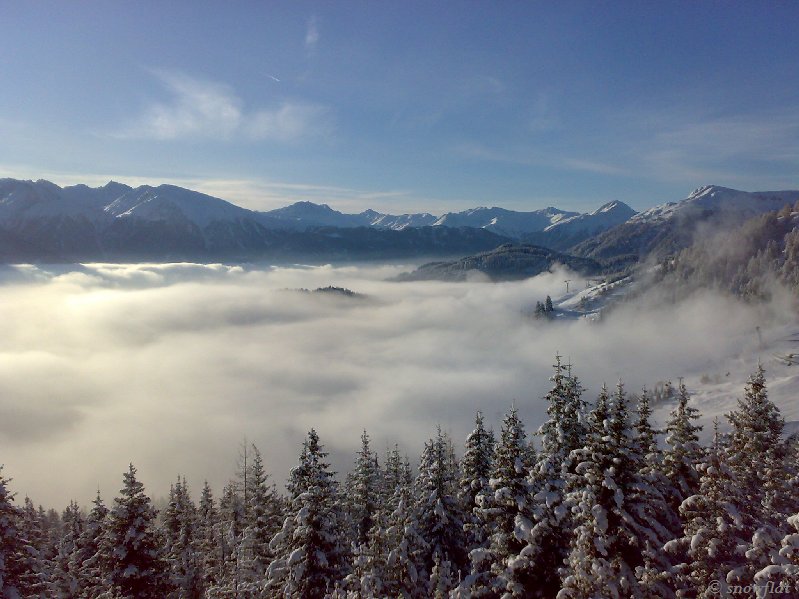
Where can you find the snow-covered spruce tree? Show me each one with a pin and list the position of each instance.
(132, 559)
(500, 570)
(230, 529)
(476, 465)
(683, 452)
(11, 543)
(756, 453)
(64, 580)
(362, 491)
(263, 519)
(36, 568)
(782, 575)
(653, 515)
(440, 518)
(85, 560)
(591, 569)
(401, 572)
(612, 508)
(178, 531)
(209, 539)
(714, 536)
(547, 540)
(310, 553)
(361, 501)
(370, 563)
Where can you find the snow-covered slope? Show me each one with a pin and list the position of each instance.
(171, 203)
(718, 200)
(398, 222)
(603, 218)
(505, 222)
(21, 201)
(302, 215)
(670, 227)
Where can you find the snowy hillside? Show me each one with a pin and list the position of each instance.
(398, 222)
(168, 202)
(606, 216)
(668, 228)
(716, 199)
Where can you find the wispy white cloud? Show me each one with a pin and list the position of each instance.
(532, 156)
(312, 34)
(690, 144)
(198, 108)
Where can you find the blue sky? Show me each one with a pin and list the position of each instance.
(404, 106)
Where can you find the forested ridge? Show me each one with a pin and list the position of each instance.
(595, 503)
(745, 261)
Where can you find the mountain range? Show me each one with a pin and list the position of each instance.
(40, 221)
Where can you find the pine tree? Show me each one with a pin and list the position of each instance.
(782, 575)
(563, 433)
(614, 508)
(209, 539)
(440, 519)
(762, 504)
(401, 572)
(478, 458)
(501, 570)
(130, 552)
(34, 578)
(657, 523)
(230, 530)
(85, 561)
(362, 499)
(757, 431)
(683, 452)
(64, 580)
(11, 543)
(362, 491)
(263, 520)
(309, 548)
(714, 536)
(180, 524)
(591, 568)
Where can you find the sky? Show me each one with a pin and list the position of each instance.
(172, 366)
(404, 106)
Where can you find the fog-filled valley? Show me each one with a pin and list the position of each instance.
(172, 366)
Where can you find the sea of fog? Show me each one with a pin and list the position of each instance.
(172, 366)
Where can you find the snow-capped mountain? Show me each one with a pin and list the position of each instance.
(40, 220)
(719, 200)
(302, 215)
(505, 222)
(568, 232)
(23, 200)
(169, 202)
(606, 216)
(670, 227)
(398, 222)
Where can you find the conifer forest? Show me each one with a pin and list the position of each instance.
(595, 503)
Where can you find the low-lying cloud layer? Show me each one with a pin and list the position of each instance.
(171, 366)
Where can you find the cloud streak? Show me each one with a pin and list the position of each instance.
(170, 366)
(202, 109)
(312, 35)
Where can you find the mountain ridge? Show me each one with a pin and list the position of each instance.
(41, 221)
